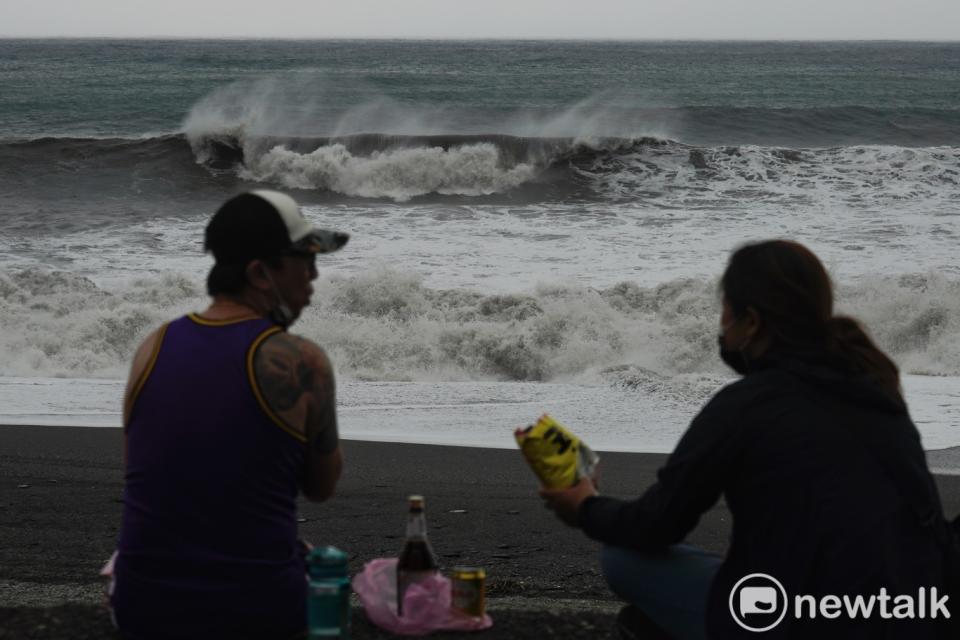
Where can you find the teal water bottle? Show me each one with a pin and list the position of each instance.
(328, 594)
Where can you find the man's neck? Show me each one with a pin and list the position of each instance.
(229, 307)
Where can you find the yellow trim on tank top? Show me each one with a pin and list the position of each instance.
(219, 323)
(251, 354)
(147, 370)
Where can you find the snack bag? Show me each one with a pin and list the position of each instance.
(557, 456)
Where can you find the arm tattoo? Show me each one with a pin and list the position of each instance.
(299, 388)
(305, 377)
(278, 368)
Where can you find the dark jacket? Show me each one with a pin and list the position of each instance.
(828, 486)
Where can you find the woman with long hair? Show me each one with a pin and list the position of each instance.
(820, 465)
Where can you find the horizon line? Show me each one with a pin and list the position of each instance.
(235, 38)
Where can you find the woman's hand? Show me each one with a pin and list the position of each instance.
(566, 502)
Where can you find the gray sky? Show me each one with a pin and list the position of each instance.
(627, 19)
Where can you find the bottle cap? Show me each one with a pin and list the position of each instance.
(327, 562)
(415, 501)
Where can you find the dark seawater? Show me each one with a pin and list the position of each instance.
(519, 210)
(791, 94)
(126, 123)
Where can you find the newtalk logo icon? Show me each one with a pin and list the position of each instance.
(759, 602)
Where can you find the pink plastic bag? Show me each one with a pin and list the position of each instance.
(426, 604)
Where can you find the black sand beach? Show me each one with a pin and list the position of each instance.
(59, 514)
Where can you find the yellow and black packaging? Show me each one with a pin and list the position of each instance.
(557, 456)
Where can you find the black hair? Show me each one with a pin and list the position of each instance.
(791, 291)
(231, 279)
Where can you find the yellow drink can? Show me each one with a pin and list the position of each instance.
(468, 590)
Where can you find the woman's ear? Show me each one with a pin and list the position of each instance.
(753, 323)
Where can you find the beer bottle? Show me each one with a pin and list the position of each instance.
(417, 560)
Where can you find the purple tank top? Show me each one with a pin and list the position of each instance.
(208, 540)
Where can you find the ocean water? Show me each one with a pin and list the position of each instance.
(537, 226)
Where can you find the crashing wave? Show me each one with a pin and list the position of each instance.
(386, 325)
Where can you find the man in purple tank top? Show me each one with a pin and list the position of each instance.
(227, 416)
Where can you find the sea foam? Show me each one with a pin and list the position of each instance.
(399, 174)
(387, 325)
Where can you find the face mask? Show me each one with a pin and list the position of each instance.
(280, 314)
(733, 358)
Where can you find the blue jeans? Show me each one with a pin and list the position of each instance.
(669, 587)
